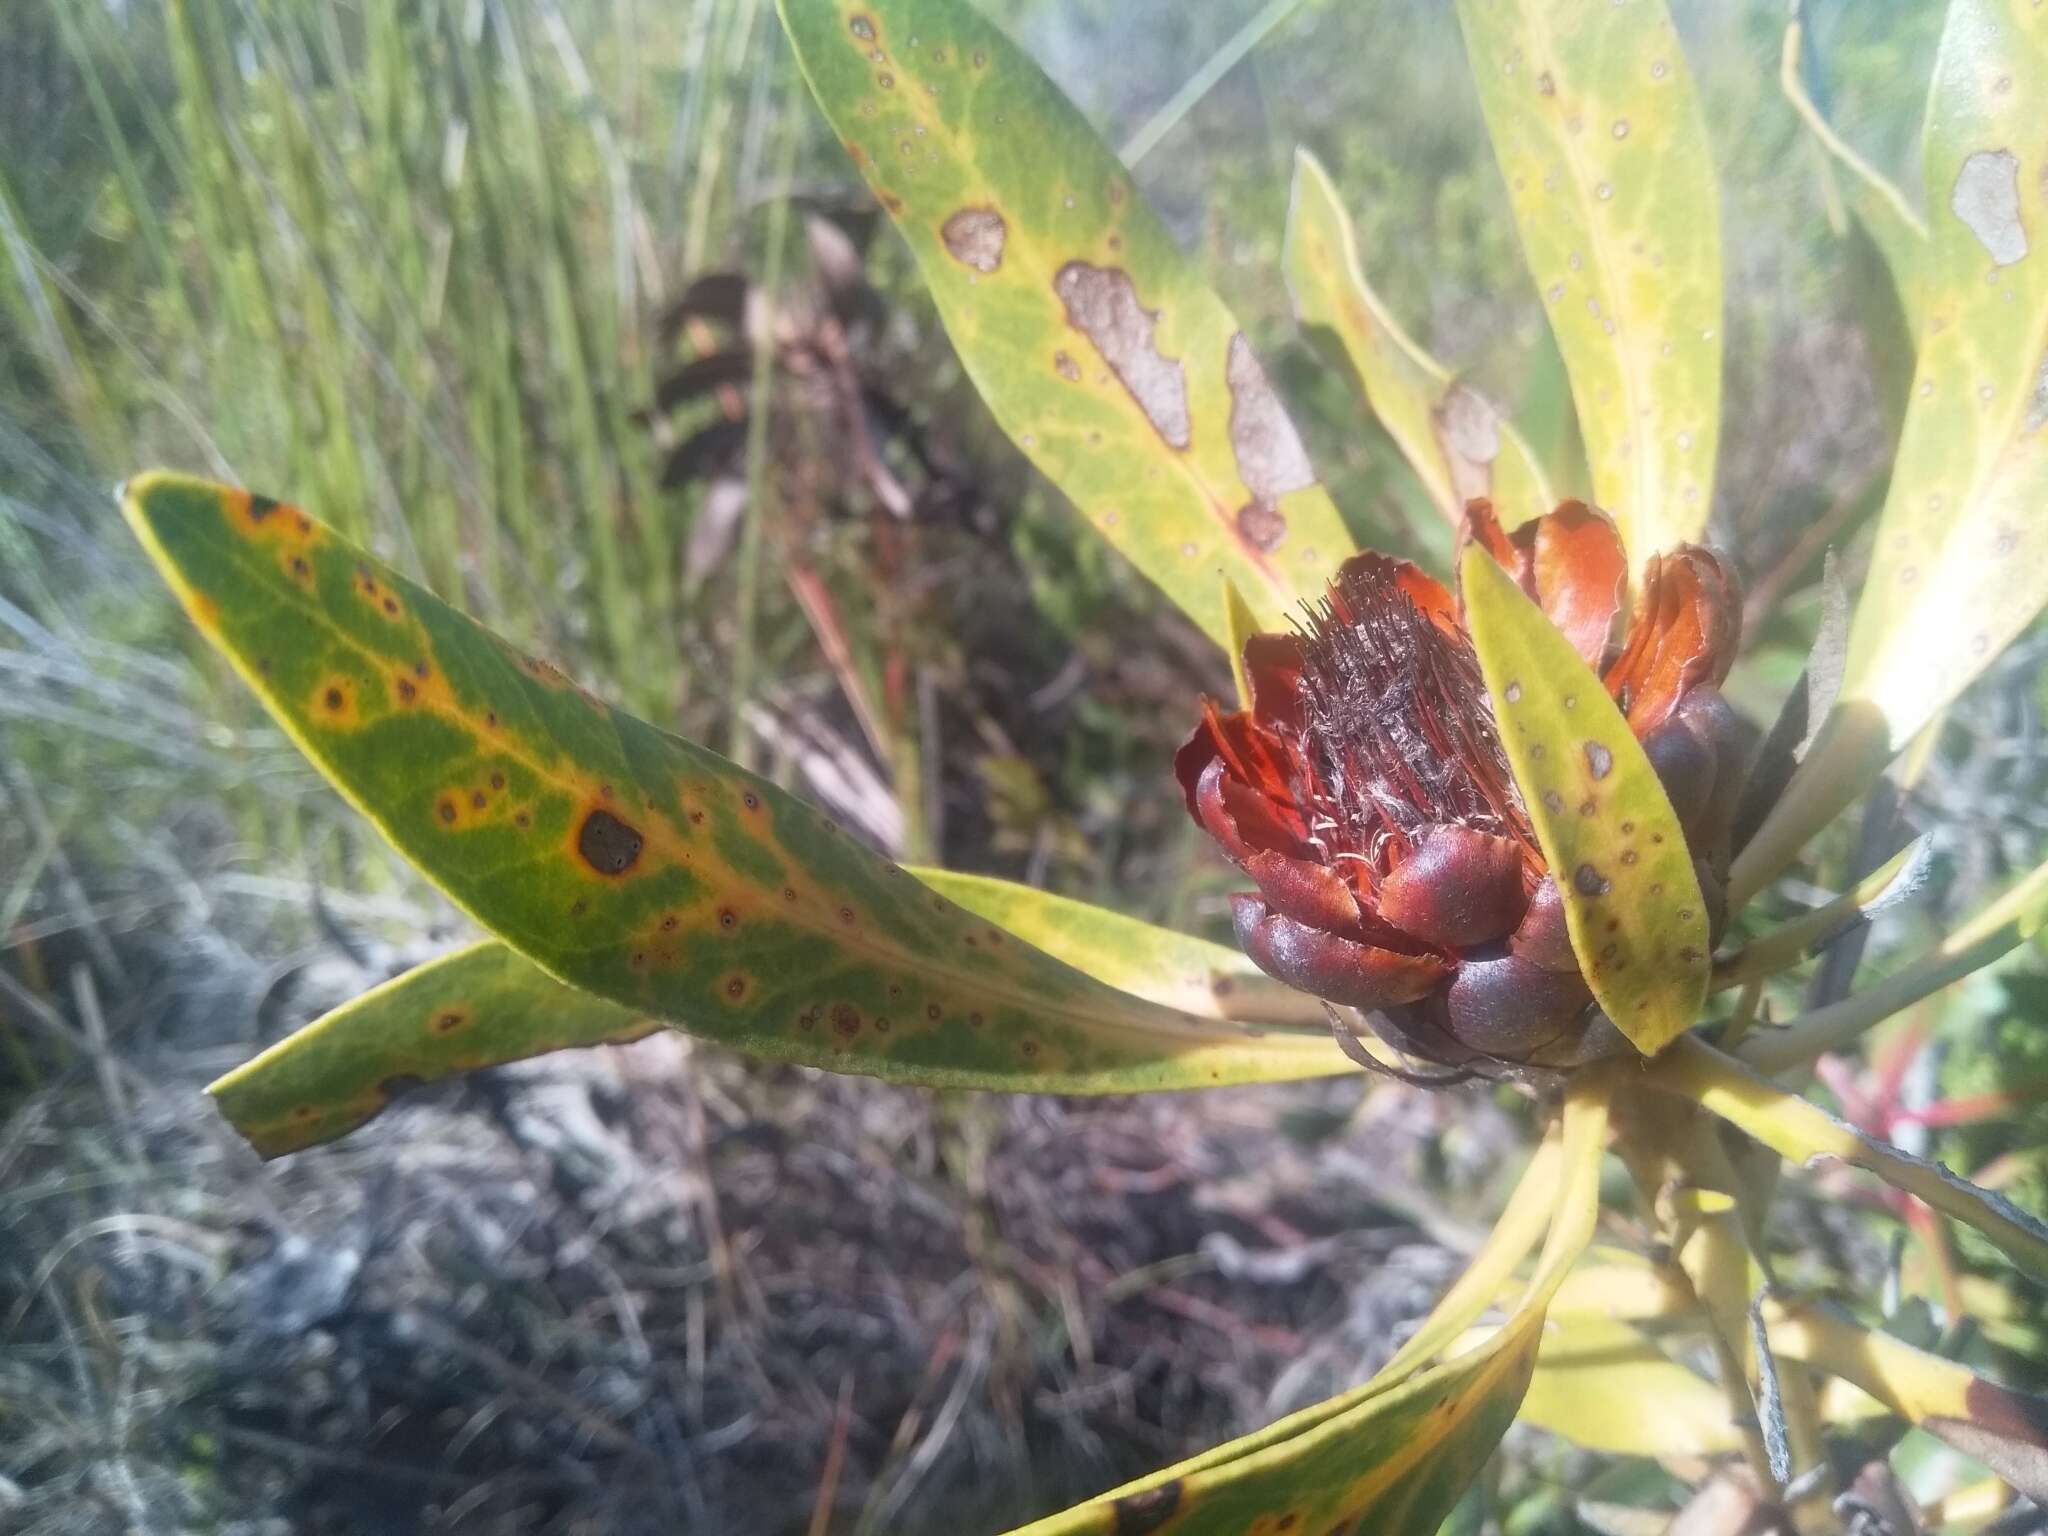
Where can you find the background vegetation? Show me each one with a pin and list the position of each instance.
(417, 263)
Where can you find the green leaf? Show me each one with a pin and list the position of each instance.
(1632, 903)
(1394, 1455)
(1880, 209)
(1455, 440)
(637, 866)
(1960, 562)
(1211, 981)
(1600, 139)
(1096, 343)
(1800, 1132)
(488, 1004)
(478, 1007)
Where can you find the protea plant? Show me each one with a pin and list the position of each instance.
(1502, 832)
(1367, 793)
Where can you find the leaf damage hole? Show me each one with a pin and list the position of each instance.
(1588, 881)
(1599, 761)
(1102, 304)
(607, 844)
(975, 238)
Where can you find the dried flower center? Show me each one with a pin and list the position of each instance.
(1396, 728)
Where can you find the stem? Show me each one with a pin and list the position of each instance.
(1790, 942)
(2003, 925)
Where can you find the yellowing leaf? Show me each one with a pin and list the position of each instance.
(637, 866)
(1960, 563)
(1605, 1386)
(1192, 975)
(1455, 440)
(479, 1007)
(2004, 1429)
(1396, 1454)
(1632, 903)
(1600, 139)
(1096, 343)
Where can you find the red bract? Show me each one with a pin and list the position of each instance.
(1366, 793)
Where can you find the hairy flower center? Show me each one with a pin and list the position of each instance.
(1396, 728)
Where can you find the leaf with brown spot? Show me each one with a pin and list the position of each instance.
(1604, 149)
(1455, 441)
(1959, 565)
(1096, 342)
(478, 1007)
(1633, 907)
(643, 868)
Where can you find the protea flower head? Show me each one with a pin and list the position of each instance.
(1366, 793)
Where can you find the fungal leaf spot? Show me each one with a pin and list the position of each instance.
(1986, 197)
(1270, 458)
(607, 844)
(1102, 305)
(975, 237)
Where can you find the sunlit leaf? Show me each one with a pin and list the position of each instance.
(1095, 341)
(1455, 440)
(1212, 981)
(1801, 1132)
(1606, 1386)
(1632, 902)
(1600, 139)
(2004, 1429)
(1395, 1455)
(1960, 563)
(639, 866)
(1239, 625)
(478, 1007)
(487, 1005)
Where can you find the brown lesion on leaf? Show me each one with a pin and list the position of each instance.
(1066, 367)
(378, 595)
(1102, 304)
(1138, 1514)
(1270, 457)
(607, 844)
(334, 703)
(1261, 526)
(734, 988)
(266, 518)
(448, 1019)
(975, 237)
